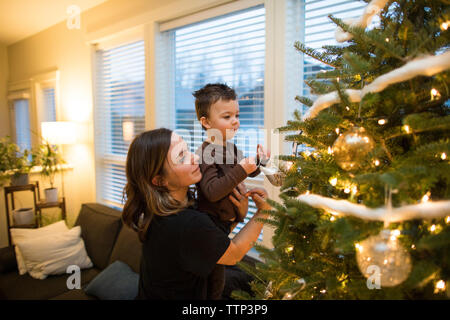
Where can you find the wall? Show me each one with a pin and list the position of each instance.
(69, 52)
(4, 128)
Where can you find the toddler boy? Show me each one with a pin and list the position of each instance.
(223, 166)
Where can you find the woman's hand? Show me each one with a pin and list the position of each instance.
(259, 196)
(240, 200)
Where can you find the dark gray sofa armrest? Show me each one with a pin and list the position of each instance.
(8, 260)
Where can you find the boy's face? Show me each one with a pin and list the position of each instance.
(224, 117)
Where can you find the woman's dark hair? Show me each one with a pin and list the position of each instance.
(145, 160)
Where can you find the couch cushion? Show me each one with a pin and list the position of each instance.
(117, 282)
(8, 260)
(127, 249)
(16, 287)
(99, 228)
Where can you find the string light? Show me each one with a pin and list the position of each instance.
(413, 246)
(443, 156)
(359, 247)
(289, 249)
(376, 162)
(382, 121)
(433, 228)
(323, 291)
(347, 190)
(426, 197)
(395, 234)
(447, 219)
(330, 151)
(444, 25)
(337, 130)
(387, 39)
(333, 181)
(347, 108)
(354, 189)
(407, 128)
(435, 94)
(440, 286)
(287, 296)
(332, 218)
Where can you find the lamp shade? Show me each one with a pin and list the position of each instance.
(59, 132)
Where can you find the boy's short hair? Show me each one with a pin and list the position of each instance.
(210, 94)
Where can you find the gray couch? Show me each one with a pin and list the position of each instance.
(106, 240)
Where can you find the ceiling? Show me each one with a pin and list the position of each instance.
(20, 19)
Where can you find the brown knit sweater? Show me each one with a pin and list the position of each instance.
(221, 173)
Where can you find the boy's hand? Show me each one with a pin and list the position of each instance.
(249, 164)
(263, 156)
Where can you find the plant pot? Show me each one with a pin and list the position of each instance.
(23, 216)
(51, 195)
(20, 180)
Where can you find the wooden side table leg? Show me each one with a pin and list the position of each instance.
(7, 219)
(63, 211)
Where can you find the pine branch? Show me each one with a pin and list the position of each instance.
(320, 56)
(373, 37)
(305, 100)
(357, 63)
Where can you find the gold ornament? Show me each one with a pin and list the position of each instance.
(350, 148)
(384, 257)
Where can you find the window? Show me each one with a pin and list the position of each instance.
(49, 104)
(22, 123)
(319, 29)
(227, 49)
(119, 114)
(21, 114)
(307, 21)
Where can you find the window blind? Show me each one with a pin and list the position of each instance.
(49, 104)
(227, 49)
(319, 29)
(22, 124)
(119, 114)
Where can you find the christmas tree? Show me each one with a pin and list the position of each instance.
(364, 211)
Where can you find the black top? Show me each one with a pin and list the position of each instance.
(179, 253)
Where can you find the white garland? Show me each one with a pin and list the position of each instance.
(425, 210)
(370, 10)
(426, 66)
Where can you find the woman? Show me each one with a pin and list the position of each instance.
(181, 246)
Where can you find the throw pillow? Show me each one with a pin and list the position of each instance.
(21, 234)
(117, 282)
(52, 254)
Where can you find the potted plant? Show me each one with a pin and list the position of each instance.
(48, 157)
(14, 164)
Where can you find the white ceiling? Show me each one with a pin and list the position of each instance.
(20, 19)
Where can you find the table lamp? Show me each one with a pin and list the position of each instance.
(59, 133)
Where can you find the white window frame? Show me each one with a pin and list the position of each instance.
(41, 82)
(23, 90)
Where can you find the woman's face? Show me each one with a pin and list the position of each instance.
(181, 167)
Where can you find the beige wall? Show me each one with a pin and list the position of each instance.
(4, 129)
(68, 51)
(4, 117)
